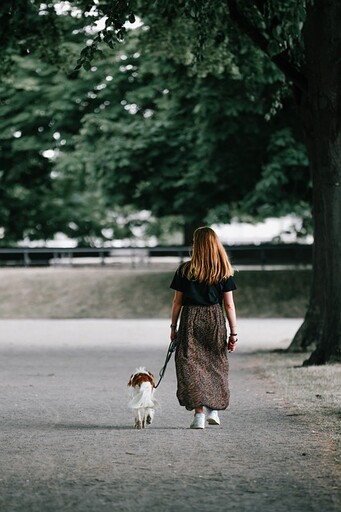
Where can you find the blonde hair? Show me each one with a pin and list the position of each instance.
(209, 262)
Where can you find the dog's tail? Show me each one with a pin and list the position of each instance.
(143, 397)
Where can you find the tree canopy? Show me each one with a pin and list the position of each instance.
(146, 125)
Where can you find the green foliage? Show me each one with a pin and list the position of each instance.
(199, 32)
(42, 110)
(171, 140)
(282, 186)
(185, 118)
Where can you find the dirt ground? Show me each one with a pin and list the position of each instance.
(67, 442)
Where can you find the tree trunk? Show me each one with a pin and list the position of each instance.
(320, 110)
(189, 228)
(308, 335)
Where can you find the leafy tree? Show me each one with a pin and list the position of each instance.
(182, 146)
(42, 109)
(174, 143)
(287, 34)
(303, 39)
(25, 184)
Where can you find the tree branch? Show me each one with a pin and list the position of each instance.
(281, 60)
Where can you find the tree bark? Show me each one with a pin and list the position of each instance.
(320, 111)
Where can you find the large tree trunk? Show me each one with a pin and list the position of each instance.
(308, 335)
(320, 110)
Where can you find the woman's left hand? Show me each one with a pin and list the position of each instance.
(231, 344)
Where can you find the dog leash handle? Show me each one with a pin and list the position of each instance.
(171, 348)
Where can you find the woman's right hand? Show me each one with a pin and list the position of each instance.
(173, 334)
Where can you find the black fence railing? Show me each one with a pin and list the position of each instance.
(252, 255)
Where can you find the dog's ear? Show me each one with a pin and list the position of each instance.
(130, 383)
(152, 378)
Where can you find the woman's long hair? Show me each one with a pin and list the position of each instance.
(209, 263)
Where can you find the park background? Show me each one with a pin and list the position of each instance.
(126, 125)
(134, 142)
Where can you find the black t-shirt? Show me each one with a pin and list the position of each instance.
(201, 294)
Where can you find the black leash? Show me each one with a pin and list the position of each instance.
(171, 348)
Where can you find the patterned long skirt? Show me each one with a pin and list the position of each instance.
(201, 358)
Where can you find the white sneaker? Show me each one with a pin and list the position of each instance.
(212, 417)
(198, 421)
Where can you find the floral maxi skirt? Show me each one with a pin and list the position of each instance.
(201, 358)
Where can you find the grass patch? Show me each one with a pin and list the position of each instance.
(276, 293)
(313, 392)
(97, 292)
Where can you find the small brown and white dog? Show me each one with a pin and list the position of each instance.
(142, 401)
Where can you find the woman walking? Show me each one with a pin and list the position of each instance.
(202, 285)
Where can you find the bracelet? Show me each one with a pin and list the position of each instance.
(173, 326)
(233, 334)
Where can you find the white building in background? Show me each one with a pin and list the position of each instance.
(271, 230)
(236, 233)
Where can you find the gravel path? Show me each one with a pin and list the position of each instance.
(67, 442)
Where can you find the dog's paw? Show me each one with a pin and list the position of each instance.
(150, 415)
(138, 424)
